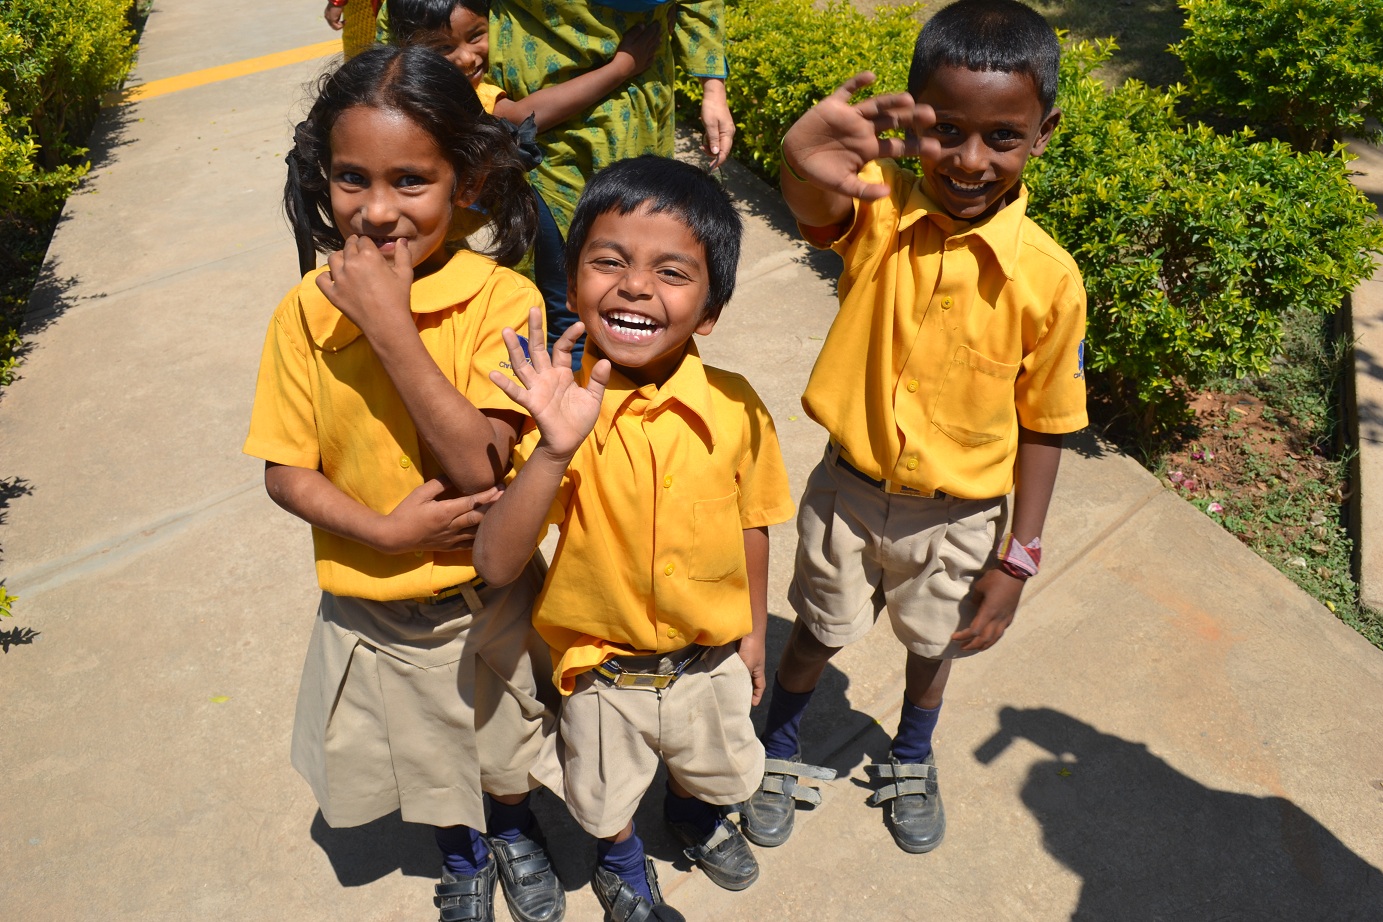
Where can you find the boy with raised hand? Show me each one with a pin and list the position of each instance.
(946, 382)
(663, 475)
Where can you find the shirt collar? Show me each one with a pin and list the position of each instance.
(686, 387)
(1002, 232)
(461, 279)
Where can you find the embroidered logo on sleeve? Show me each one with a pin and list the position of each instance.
(1080, 360)
(527, 356)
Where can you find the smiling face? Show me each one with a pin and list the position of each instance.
(465, 43)
(641, 288)
(988, 123)
(389, 180)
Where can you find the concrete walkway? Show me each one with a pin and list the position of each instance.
(1171, 730)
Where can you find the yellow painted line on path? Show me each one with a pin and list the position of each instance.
(223, 72)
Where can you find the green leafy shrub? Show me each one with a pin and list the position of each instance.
(785, 55)
(1193, 245)
(1306, 70)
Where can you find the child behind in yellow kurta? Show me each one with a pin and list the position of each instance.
(419, 693)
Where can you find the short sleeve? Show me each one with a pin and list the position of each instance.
(1050, 390)
(698, 40)
(282, 424)
(765, 497)
(507, 305)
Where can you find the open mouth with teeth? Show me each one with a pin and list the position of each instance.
(627, 326)
(965, 188)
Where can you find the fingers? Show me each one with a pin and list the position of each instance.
(600, 376)
(852, 86)
(566, 343)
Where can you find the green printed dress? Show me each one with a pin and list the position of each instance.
(537, 43)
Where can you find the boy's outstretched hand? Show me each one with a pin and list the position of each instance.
(831, 143)
(564, 411)
(365, 286)
(996, 600)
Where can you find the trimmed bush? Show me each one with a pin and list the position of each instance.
(785, 55)
(1193, 245)
(1306, 70)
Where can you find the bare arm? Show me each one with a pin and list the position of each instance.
(825, 149)
(472, 446)
(333, 15)
(426, 520)
(996, 593)
(552, 105)
(752, 646)
(565, 413)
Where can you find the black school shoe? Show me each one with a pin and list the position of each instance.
(768, 815)
(467, 899)
(724, 855)
(915, 817)
(622, 904)
(531, 887)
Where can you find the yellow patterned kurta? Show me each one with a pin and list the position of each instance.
(537, 43)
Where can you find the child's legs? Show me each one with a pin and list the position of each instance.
(926, 680)
(837, 574)
(707, 737)
(605, 755)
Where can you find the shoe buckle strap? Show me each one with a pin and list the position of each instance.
(881, 770)
(788, 787)
(799, 769)
(924, 786)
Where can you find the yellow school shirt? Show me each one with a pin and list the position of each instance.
(323, 401)
(489, 95)
(652, 512)
(949, 336)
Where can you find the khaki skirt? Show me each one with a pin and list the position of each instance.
(422, 708)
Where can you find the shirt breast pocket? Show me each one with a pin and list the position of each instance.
(717, 539)
(975, 405)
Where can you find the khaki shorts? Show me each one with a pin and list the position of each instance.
(609, 740)
(861, 550)
(421, 708)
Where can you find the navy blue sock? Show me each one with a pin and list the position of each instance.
(781, 729)
(626, 860)
(464, 853)
(914, 740)
(509, 821)
(701, 816)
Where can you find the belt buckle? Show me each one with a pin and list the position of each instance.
(468, 590)
(655, 680)
(899, 489)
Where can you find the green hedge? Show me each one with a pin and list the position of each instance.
(1307, 70)
(57, 59)
(1193, 244)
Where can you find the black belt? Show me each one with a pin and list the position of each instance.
(886, 485)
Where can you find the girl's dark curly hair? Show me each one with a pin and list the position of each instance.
(426, 88)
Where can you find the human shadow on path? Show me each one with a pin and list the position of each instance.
(1152, 844)
(361, 855)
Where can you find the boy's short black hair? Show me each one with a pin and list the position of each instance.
(1002, 35)
(414, 20)
(662, 184)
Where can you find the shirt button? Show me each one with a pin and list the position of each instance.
(912, 387)
(912, 464)
(946, 302)
(667, 481)
(405, 463)
(417, 553)
(667, 570)
(672, 633)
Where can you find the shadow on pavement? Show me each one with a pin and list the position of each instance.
(1151, 843)
(361, 855)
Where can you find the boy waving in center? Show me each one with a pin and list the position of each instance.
(663, 475)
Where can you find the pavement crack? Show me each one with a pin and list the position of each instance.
(102, 555)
